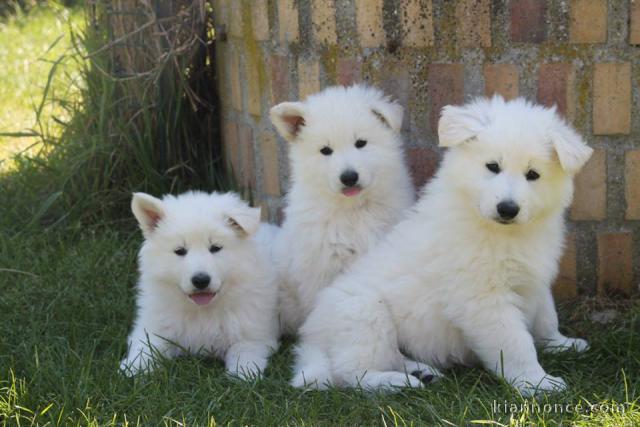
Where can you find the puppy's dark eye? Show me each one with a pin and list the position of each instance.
(326, 151)
(493, 167)
(180, 251)
(214, 248)
(532, 175)
(360, 143)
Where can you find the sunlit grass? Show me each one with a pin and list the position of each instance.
(30, 43)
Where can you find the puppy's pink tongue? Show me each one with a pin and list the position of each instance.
(351, 191)
(202, 298)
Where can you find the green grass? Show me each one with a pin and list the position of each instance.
(67, 305)
(30, 42)
(68, 266)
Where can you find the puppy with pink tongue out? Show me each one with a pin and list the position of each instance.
(206, 286)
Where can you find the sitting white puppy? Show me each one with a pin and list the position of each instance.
(467, 276)
(205, 285)
(349, 186)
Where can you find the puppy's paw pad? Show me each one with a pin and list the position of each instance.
(427, 376)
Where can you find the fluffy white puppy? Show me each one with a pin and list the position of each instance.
(349, 185)
(466, 277)
(206, 285)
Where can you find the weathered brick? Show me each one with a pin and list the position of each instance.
(254, 93)
(308, 77)
(369, 21)
(566, 284)
(348, 71)
(502, 79)
(446, 86)
(588, 21)
(270, 164)
(279, 66)
(235, 19)
(612, 98)
(423, 163)
(394, 79)
(632, 184)
(245, 137)
(556, 86)
(234, 77)
(231, 147)
(323, 17)
(634, 28)
(615, 263)
(528, 20)
(264, 211)
(288, 20)
(590, 197)
(260, 19)
(474, 23)
(416, 19)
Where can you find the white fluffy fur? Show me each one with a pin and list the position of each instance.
(450, 284)
(325, 231)
(240, 324)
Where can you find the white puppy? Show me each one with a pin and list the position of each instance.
(206, 286)
(467, 276)
(349, 185)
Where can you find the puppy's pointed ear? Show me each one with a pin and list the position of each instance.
(288, 118)
(244, 221)
(148, 211)
(390, 113)
(572, 150)
(460, 123)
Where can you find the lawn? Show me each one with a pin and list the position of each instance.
(67, 302)
(30, 43)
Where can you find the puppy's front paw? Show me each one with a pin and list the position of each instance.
(248, 372)
(129, 368)
(532, 386)
(566, 344)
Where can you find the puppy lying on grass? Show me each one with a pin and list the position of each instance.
(206, 286)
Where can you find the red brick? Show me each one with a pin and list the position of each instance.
(615, 263)
(502, 79)
(632, 184)
(474, 23)
(369, 21)
(288, 20)
(423, 163)
(528, 21)
(446, 86)
(245, 137)
(556, 86)
(566, 284)
(416, 19)
(590, 198)
(348, 71)
(612, 98)
(308, 77)
(279, 79)
(588, 21)
(270, 165)
(323, 17)
(634, 28)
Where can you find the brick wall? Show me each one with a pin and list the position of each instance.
(581, 55)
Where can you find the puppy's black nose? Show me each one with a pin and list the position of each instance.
(349, 178)
(508, 209)
(200, 280)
